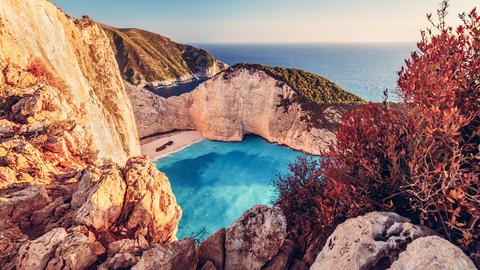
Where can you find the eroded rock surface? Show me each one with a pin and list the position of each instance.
(74, 55)
(150, 210)
(213, 250)
(368, 241)
(255, 238)
(226, 108)
(434, 253)
(37, 253)
(178, 255)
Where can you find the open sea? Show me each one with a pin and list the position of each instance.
(364, 69)
(215, 182)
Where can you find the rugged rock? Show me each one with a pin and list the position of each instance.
(36, 254)
(99, 197)
(370, 241)
(76, 252)
(178, 255)
(226, 108)
(119, 261)
(21, 204)
(282, 260)
(255, 238)
(212, 250)
(148, 58)
(75, 56)
(155, 114)
(10, 241)
(209, 266)
(433, 253)
(150, 210)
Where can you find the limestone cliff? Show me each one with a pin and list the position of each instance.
(148, 58)
(64, 116)
(77, 53)
(240, 101)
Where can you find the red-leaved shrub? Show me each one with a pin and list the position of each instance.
(420, 157)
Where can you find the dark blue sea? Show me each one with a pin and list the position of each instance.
(364, 69)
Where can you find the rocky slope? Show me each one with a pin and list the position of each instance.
(64, 116)
(246, 100)
(37, 38)
(145, 57)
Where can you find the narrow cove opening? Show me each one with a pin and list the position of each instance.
(216, 182)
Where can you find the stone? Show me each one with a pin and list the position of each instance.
(27, 162)
(209, 266)
(282, 260)
(150, 210)
(26, 108)
(213, 249)
(57, 145)
(76, 252)
(73, 59)
(37, 253)
(178, 255)
(255, 238)
(434, 253)
(99, 197)
(119, 261)
(225, 108)
(21, 204)
(10, 241)
(369, 241)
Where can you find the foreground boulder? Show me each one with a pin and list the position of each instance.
(178, 255)
(212, 250)
(432, 253)
(150, 210)
(37, 253)
(245, 99)
(369, 241)
(255, 238)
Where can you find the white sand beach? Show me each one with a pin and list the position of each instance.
(179, 139)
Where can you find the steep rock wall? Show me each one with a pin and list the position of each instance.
(79, 54)
(226, 108)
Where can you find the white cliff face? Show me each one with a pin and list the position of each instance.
(155, 114)
(226, 108)
(249, 103)
(76, 53)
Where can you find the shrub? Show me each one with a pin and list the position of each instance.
(313, 207)
(420, 158)
(38, 69)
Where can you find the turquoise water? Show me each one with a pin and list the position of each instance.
(215, 182)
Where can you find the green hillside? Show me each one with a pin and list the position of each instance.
(145, 55)
(312, 87)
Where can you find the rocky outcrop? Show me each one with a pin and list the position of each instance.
(433, 253)
(212, 250)
(378, 240)
(64, 122)
(179, 255)
(75, 57)
(226, 108)
(255, 238)
(150, 211)
(37, 253)
(148, 58)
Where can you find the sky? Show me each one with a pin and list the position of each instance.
(270, 21)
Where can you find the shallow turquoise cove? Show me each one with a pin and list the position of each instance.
(215, 182)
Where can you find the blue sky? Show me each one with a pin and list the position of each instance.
(256, 21)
